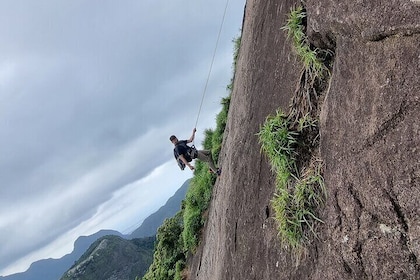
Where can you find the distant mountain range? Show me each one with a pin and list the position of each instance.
(53, 269)
(153, 222)
(113, 258)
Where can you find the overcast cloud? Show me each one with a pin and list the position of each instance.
(90, 92)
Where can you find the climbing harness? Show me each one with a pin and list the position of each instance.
(190, 154)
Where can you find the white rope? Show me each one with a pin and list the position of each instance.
(211, 65)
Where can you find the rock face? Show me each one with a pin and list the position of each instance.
(370, 144)
(370, 138)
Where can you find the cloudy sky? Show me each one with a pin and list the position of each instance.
(90, 92)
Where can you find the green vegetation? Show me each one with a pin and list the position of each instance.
(278, 142)
(296, 31)
(291, 142)
(298, 194)
(180, 235)
(196, 202)
(168, 250)
(236, 45)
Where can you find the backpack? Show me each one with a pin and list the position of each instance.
(191, 154)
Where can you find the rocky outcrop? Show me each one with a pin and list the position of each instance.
(370, 145)
(370, 138)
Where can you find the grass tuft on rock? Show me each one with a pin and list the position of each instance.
(298, 194)
(295, 28)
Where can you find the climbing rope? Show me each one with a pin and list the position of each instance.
(136, 225)
(211, 65)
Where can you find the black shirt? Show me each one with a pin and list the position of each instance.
(181, 147)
